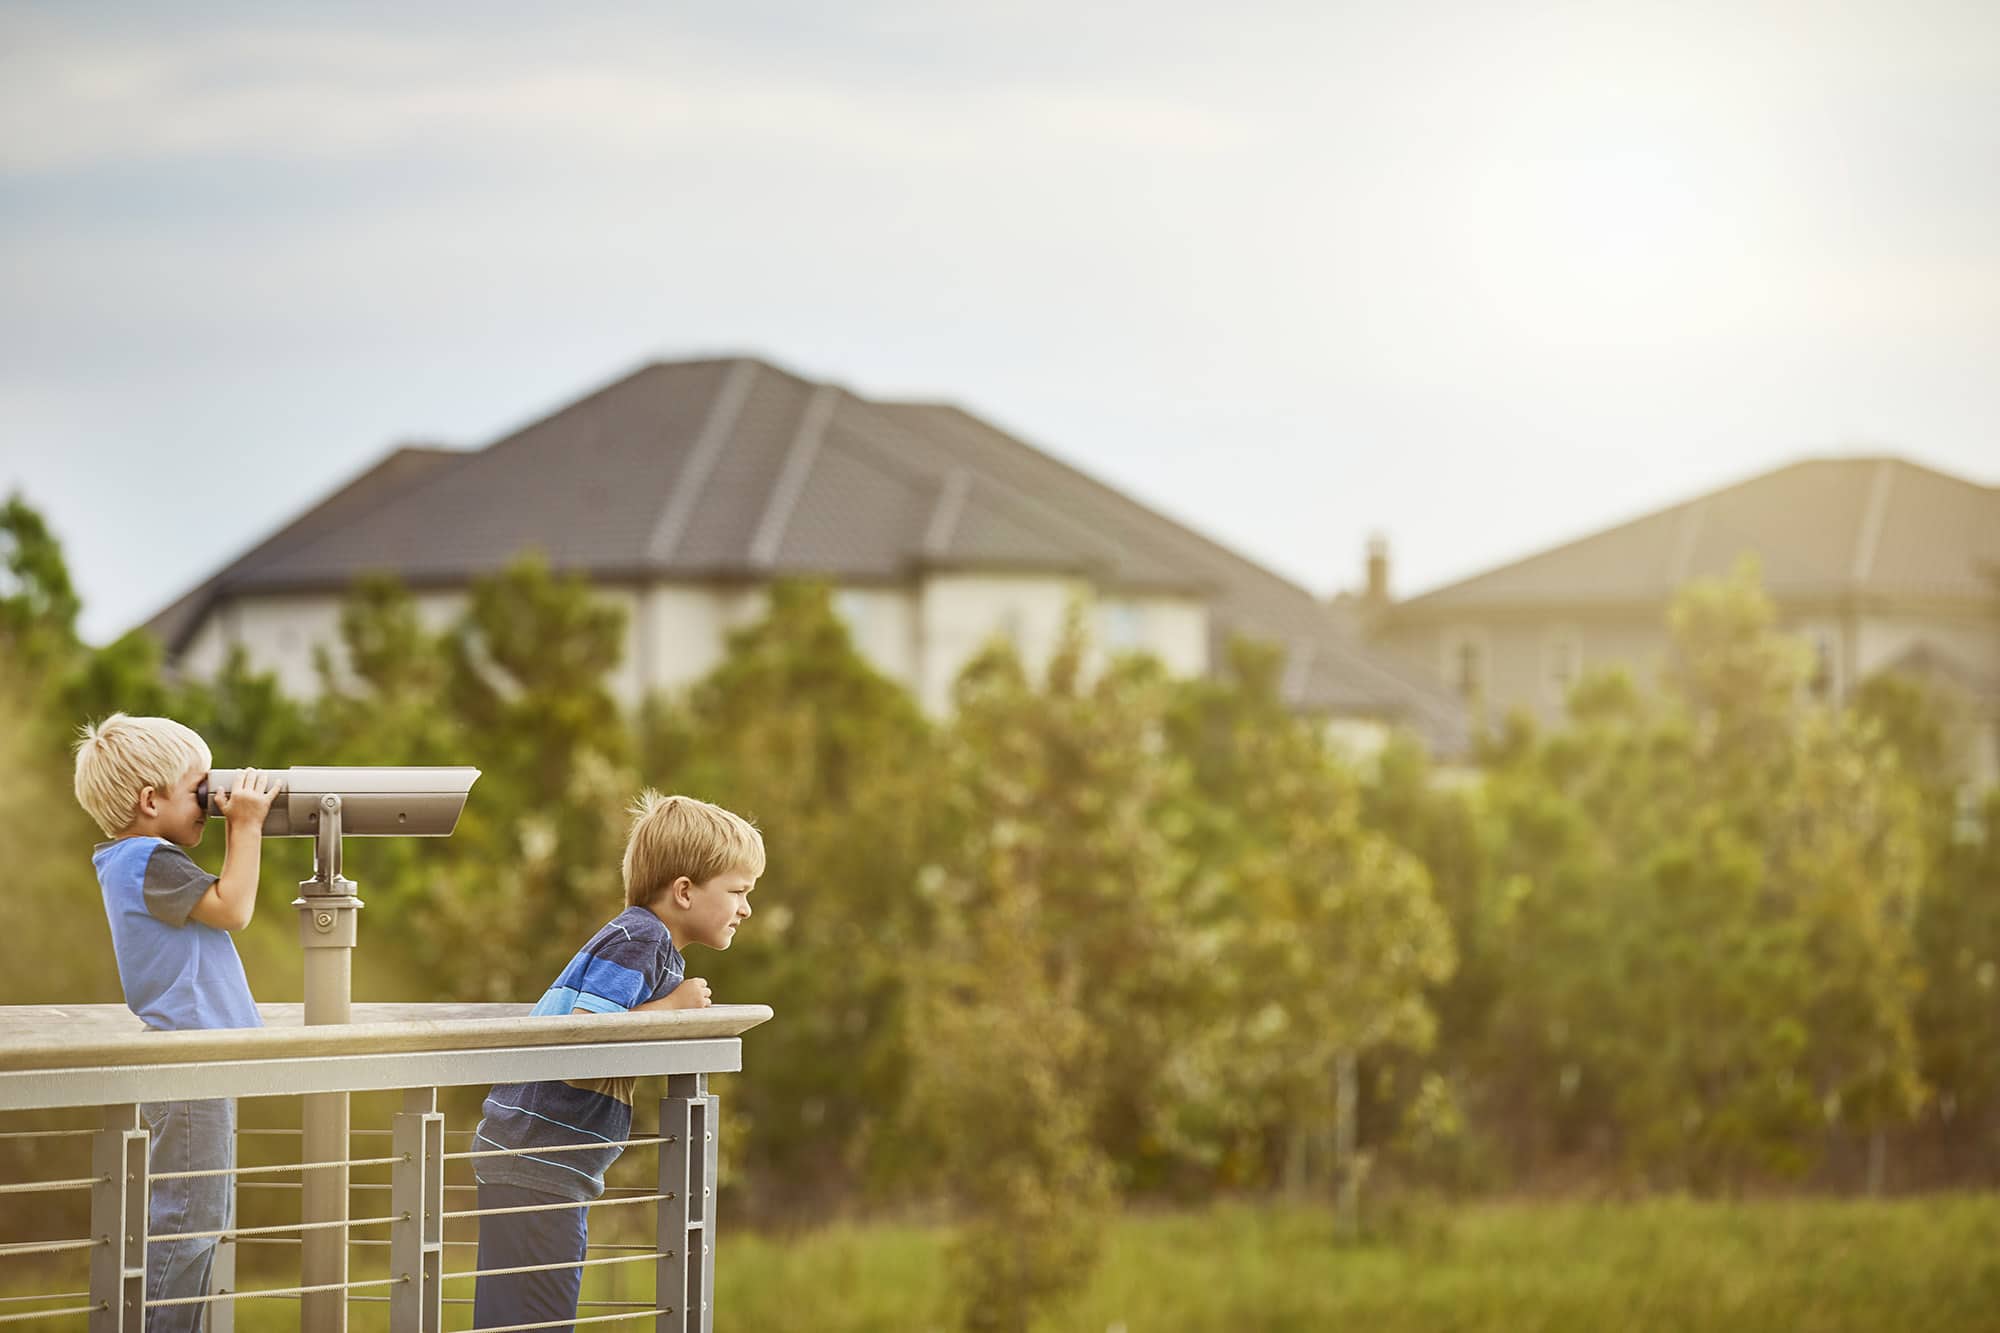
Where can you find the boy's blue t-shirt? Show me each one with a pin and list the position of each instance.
(177, 973)
(630, 961)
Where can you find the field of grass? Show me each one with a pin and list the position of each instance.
(1663, 1266)
(1795, 1267)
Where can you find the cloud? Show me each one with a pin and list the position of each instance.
(1462, 232)
(75, 98)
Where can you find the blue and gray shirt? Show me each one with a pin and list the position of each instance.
(177, 973)
(630, 961)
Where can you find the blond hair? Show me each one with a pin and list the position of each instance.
(122, 755)
(678, 835)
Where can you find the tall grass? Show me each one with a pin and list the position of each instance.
(1668, 1265)
(1664, 1266)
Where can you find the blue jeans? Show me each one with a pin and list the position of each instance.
(516, 1240)
(186, 1136)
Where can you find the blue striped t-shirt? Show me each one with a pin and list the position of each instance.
(630, 961)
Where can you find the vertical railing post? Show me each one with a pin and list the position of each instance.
(118, 1222)
(416, 1196)
(328, 918)
(687, 1175)
(704, 1145)
(222, 1269)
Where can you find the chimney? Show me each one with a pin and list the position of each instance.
(1376, 597)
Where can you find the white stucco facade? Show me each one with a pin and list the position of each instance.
(920, 634)
(282, 634)
(1522, 661)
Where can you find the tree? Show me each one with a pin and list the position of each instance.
(1047, 1003)
(533, 867)
(839, 769)
(39, 607)
(1326, 935)
(1957, 924)
(1704, 901)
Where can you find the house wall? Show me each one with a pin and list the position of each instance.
(1970, 640)
(958, 614)
(1521, 654)
(1518, 650)
(1175, 630)
(1966, 637)
(920, 636)
(883, 624)
(677, 634)
(282, 634)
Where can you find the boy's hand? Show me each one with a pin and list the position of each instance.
(246, 804)
(692, 993)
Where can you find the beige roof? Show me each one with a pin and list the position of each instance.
(1824, 529)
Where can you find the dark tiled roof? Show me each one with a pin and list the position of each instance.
(396, 473)
(1329, 667)
(1824, 528)
(737, 469)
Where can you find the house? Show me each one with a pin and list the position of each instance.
(1881, 564)
(683, 489)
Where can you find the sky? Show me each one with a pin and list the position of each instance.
(1479, 277)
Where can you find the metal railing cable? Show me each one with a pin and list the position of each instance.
(405, 1265)
(22, 1247)
(281, 1166)
(232, 1232)
(551, 1268)
(555, 1207)
(26, 1315)
(43, 1186)
(254, 1293)
(646, 1313)
(560, 1147)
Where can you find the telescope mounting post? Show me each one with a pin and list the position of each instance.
(328, 921)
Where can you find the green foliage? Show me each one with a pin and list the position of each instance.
(1321, 934)
(1050, 999)
(840, 771)
(39, 607)
(1957, 926)
(1958, 944)
(1103, 931)
(57, 947)
(515, 687)
(1703, 902)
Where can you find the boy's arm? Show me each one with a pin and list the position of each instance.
(692, 993)
(229, 902)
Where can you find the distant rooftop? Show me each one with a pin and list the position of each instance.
(1823, 529)
(732, 468)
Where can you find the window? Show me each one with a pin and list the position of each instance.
(852, 608)
(1465, 664)
(1825, 679)
(1122, 625)
(1562, 661)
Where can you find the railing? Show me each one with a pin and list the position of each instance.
(95, 1062)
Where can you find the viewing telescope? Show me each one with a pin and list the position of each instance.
(329, 805)
(373, 802)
